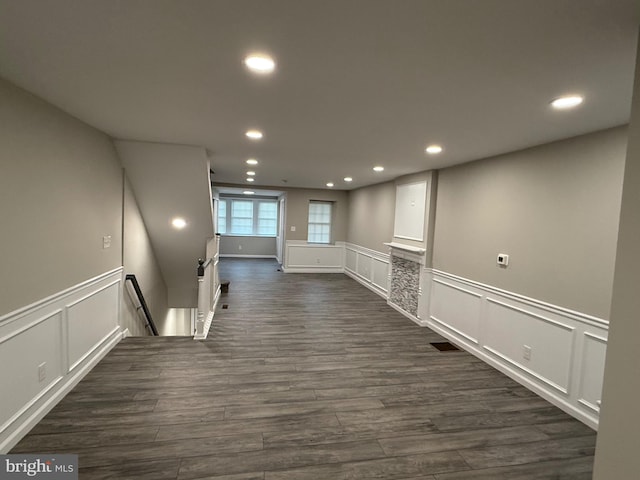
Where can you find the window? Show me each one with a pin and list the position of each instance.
(251, 217)
(267, 218)
(222, 216)
(242, 217)
(319, 222)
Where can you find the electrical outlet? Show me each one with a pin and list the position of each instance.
(42, 372)
(526, 352)
(106, 241)
(239, 247)
(293, 228)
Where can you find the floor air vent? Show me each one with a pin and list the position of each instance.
(225, 306)
(445, 346)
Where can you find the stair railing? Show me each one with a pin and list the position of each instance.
(143, 304)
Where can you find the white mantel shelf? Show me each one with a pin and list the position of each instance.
(406, 248)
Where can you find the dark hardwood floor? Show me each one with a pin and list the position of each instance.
(307, 377)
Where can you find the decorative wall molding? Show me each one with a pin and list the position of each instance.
(368, 267)
(69, 333)
(303, 257)
(566, 349)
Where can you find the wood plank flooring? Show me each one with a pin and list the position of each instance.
(307, 377)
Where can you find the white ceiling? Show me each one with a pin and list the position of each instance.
(358, 82)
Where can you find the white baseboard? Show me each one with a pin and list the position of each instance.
(234, 255)
(66, 334)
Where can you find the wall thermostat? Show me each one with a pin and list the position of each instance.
(503, 259)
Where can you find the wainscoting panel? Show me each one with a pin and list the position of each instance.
(593, 356)
(37, 343)
(304, 257)
(364, 265)
(457, 309)
(47, 347)
(510, 330)
(556, 352)
(350, 259)
(380, 274)
(89, 320)
(368, 267)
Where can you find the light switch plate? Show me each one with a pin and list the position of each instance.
(503, 259)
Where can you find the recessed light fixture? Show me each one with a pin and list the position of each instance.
(252, 161)
(433, 149)
(251, 173)
(378, 169)
(251, 179)
(248, 192)
(254, 134)
(330, 184)
(568, 101)
(348, 179)
(178, 223)
(260, 63)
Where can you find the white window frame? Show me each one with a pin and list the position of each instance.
(326, 240)
(227, 202)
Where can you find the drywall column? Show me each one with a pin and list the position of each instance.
(619, 433)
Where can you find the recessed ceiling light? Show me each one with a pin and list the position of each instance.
(252, 161)
(260, 63)
(569, 101)
(251, 173)
(254, 134)
(250, 179)
(348, 179)
(330, 184)
(378, 169)
(433, 149)
(179, 223)
(248, 192)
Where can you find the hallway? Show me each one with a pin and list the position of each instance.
(307, 376)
